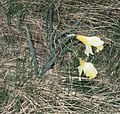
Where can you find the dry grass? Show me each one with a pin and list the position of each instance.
(59, 91)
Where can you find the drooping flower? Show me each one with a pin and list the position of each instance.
(91, 41)
(88, 69)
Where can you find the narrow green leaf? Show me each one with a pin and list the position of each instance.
(34, 59)
(48, 64)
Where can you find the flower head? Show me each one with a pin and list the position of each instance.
(88, 69)
(91, 41)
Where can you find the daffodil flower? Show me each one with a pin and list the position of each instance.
(88, 69)
(91, 41)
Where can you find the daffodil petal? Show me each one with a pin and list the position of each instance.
(95, 41)
(80, 70)
(88, 50)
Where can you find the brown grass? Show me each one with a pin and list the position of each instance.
(59, 91)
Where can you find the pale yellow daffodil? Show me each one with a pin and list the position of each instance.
(88, 69)
(91, 41)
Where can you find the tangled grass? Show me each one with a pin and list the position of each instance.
(58, 91)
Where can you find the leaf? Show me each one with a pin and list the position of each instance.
(34, 59)
(49, 63)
